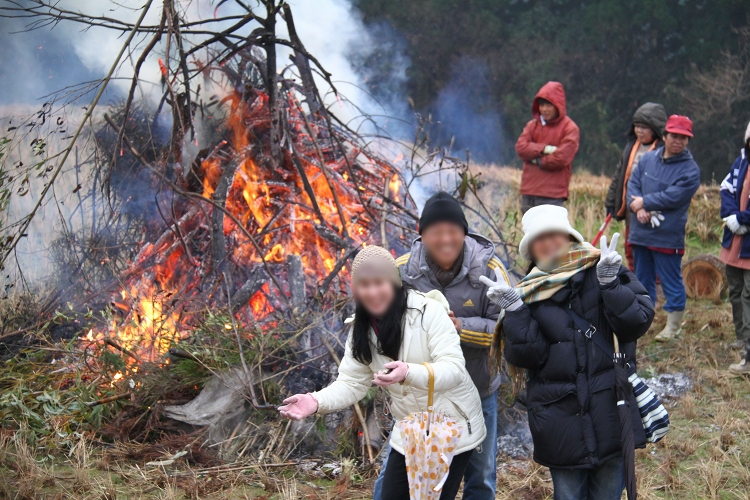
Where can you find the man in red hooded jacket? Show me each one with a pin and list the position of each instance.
(547, 146)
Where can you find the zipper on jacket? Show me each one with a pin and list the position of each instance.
(463, 415)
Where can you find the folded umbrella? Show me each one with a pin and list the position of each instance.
(430, 439)
(623, 391)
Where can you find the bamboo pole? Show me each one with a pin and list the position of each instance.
(355, 406)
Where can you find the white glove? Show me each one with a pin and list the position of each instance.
(742, 230)
(732, 223)
(548, 150)
(501, 293)
(609, 261)
(656, 219)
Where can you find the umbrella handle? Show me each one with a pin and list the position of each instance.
(430, 394)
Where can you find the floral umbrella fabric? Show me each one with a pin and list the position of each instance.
(430, 441)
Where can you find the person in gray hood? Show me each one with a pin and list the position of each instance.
(446, 257)
(644, 135)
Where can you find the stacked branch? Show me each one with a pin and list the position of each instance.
(267, 217)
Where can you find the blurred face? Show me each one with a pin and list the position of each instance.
(443, 242)
(374, 294)
(548, 110)
(675, 144)
(644, 133)
(548, 246)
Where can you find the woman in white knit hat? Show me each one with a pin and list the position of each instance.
(573, 297)
(735, 250)
(394, 331)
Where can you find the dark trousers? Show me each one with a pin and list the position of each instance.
(606, 482)
(649, 263)
(628, 246)
(529, 201)
(396, 482)
(739, 297)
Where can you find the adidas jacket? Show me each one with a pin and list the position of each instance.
(468, 301)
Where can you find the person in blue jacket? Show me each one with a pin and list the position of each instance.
(735, 250)
(659, 193)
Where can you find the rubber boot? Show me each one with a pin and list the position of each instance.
(743, 367)
(737, 344)
(672, 329)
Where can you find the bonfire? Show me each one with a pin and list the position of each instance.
(249, 217)
(256, 218)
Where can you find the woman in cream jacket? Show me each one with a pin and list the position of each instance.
(394, 331)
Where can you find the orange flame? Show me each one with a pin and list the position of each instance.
(394, 187)
(270, 202)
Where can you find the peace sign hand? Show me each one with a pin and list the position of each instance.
(501, 293)
(609, 261)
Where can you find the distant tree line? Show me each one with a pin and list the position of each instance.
(611, 55)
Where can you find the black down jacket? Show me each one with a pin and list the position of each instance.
(570, 392)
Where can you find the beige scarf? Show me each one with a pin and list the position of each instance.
(540, 285)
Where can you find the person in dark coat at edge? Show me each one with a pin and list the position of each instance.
(547, 146)
(660, 190)
(448, 258)
(572, 406)
(735, 250)
(644, 135)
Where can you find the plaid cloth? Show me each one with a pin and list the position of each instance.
(540, 285)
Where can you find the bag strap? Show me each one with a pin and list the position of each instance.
(430, 385)
(589, 330)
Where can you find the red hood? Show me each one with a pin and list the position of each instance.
(554, 93)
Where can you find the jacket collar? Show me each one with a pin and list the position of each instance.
(571, 288)
(478, 251)
(686, 155)
(415, 302)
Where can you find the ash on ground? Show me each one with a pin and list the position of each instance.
(670, 385)
(513, 434)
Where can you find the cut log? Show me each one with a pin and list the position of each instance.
(705, 277)
(296, 279)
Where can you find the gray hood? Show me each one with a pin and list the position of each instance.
(652, 114)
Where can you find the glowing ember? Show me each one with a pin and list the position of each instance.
(149, 333)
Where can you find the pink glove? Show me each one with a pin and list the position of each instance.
(397, 374)
(299, 406)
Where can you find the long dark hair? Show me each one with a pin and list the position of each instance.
(389, 329)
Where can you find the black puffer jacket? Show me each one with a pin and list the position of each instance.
(570, 392)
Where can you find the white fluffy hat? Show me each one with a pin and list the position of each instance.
(544, 219)
(747, 133)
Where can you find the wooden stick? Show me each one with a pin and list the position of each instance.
(183, 354)
(66, 152)
(384, 217)
(122, 349)
(355, 406)
(196, 196)
(324, 168)
(110, 399)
